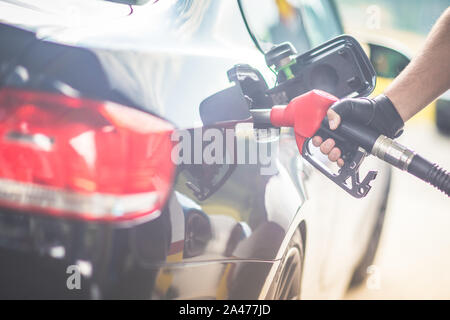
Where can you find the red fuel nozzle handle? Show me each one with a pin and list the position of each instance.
(304, 113)
(307, 115)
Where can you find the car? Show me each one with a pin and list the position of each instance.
(93, 205)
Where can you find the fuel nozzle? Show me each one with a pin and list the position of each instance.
(305, 114)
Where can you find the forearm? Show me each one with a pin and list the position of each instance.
(428, 74)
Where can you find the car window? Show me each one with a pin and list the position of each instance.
(320, 19)
(304, 23)
(274, 22)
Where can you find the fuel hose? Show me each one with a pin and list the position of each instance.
(405, 159)
(393, 153)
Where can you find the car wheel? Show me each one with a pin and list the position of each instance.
(289, 275)
(360, 272)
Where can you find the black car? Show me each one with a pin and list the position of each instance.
(93, 205)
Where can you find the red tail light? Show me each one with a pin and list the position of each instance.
(84, 158)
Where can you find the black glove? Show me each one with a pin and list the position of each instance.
(378, 113)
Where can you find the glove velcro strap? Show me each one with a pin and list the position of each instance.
(388, 112)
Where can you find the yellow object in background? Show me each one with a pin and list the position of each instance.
(427, 114)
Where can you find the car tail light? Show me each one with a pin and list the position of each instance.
(82, 158)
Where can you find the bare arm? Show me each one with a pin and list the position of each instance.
(428, 74)
(423, 80)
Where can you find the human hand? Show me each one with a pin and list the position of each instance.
(378, 113)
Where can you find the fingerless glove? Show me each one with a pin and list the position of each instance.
(378, 113)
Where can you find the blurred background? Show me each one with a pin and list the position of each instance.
(398, 19)
(413, 260)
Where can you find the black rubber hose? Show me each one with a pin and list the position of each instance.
(431, 173)
(365, 137)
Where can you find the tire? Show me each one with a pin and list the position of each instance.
(360, 273)
(289, 274)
